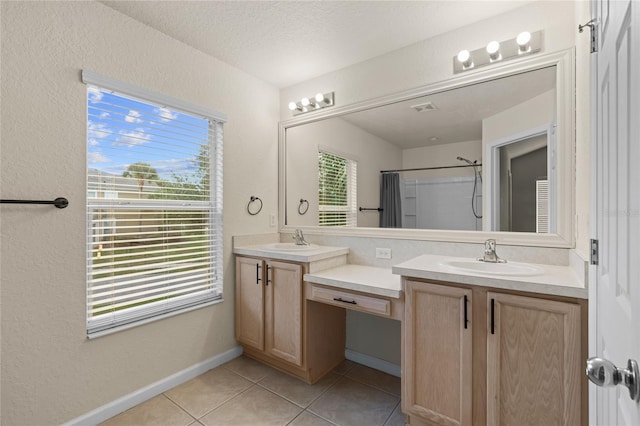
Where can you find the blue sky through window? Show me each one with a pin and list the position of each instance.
(122, 131)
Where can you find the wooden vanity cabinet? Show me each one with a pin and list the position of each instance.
(534, 362)
(437, 343)
(269, 307)
(275, 326)
(517, 362)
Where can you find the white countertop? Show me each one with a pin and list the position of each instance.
(367, 279)
(554, 280)
(322, 252)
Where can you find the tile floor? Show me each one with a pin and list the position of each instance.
(245, 392)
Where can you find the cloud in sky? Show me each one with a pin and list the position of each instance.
(97, 130)
(132, 137)
(133, 117)
(93, 142)
(94, 94)
(166, 114)
(174, 165)
(96, 157)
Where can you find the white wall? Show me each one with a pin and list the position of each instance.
(50, 372)
(528, 115)
(441, 155)
(372, 154)
(430, 61)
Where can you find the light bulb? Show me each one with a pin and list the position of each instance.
(523, 40)
(493, 49)
(293, 106)
(464, 57)
(319, 97)
(305, 102)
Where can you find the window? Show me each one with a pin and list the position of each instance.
(337, 190)
(154, 205)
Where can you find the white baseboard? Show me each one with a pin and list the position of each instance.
(120, 405)
(373, 362)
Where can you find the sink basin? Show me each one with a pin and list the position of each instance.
(487, 268)
(290, 247)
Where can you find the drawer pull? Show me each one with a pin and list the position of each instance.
(340, 299)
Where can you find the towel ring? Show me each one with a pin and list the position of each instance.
(302, 210)
(251, 201)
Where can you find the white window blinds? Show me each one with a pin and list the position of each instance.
(154, 208)
(337, 190)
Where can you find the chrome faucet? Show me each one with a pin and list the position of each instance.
(490, 253)
(299, 238)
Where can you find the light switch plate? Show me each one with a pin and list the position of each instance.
(383, 253)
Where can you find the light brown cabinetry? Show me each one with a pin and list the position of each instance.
(533, 361)
(269, 307)
(437, 349)
(473, 356)
(276, 326)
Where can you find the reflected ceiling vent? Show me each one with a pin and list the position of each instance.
(427, 106)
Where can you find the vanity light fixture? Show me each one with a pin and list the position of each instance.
(319, 101)
(464, 58)
(294, 106)
(525, 43)
(493, 49)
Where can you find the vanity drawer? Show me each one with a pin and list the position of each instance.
(350, 300)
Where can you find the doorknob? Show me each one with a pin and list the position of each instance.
(603, 373)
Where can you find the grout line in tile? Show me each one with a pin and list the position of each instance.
(391, 414)
(323, 418)
(312, 401)
(253, 385)
(180, 408)
(372, 386)
(293, 419)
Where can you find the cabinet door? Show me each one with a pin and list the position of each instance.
(283, 311)
(250, 302)
(437, 364)
(533, 361)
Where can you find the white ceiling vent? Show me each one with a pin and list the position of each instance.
(427, 106)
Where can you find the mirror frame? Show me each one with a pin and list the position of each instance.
(564, 61)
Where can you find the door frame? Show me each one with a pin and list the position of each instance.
(491, 165)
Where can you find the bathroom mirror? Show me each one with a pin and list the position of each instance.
(461, 151)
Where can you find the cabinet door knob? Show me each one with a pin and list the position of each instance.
(604, 373)
(258, 279)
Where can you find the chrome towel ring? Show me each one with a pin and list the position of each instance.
(303, 206)
(254, 211)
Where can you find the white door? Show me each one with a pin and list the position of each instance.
(614, 326)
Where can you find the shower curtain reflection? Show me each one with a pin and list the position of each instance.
(390, 201)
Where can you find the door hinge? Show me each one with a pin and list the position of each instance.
(593, 26)
(594, 252)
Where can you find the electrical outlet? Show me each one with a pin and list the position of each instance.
(272, 220)
(383, 253)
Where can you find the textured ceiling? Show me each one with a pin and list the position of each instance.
(287, 42)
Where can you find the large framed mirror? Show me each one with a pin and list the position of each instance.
(482, 154)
